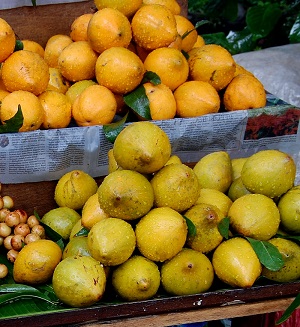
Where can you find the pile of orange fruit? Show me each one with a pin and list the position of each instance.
(84, 76)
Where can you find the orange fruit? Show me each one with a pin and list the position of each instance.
(77, 61)
(244, 92)
(161, 101)
(119, 69)
(172, 5)
(213, 64)
(169, 64)
(31, 45)
(109, 28)
(184, 26)
(96, 105)
(57, 82)
(79, 27)
(199, 42)
(54, 47)
(153, 26)
(7, 40)
(241, 70)
(57, 109)
(25, 70)
(128, 8)
(196, 98)
(3, 94)
(32, 110)
(75, 89)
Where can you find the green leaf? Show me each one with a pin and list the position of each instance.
(33, 3)
(223, 227)
(294, 238)
(218, 38)
(83, 232)
(9, 297)
(267, 253)
(230, 11)
(198, 24)
(13, 124)
(19, 45)
(138, 101)
(289, 310)
(151, 77)
(241, 41)
(261, 20)
(294, 35)
(111, 131)
(192, 230)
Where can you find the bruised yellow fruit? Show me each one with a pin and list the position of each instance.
(77, 246)
(269, 172)
(213, 64)
(175, 186)
(181, 274)
(206, 218)
(128, 8)
(161, 234)
(214, 171)
(108, 28)
(125, 194)
(36, 262)
(216, 198)
(92, 212)
(169, 64)
(119, 69)
(32, 109)
(136, 279)
(142, 146)
(25, 70)
(7, 40)
(235, 263)
(111, 241)
(289, 208)
(74, 188)
(255, 215)
(79, 281)
(244, 92)
(153, 26)
(290, 252)
(196, 98)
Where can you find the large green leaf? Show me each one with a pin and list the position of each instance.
(294, 35)
(111, 131)
(139, 102)
(289, 310)
(13, 124)
(267, 253)
(262, 19)
(223, 227)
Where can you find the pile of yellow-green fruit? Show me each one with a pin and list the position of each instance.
(154, 222)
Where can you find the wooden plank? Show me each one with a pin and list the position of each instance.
(174, 318)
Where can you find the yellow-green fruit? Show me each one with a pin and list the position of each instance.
(237, 189)
(112, 164)
(175, 186)
(289, 208)
(111, 241)
(125, 194)
(255, 215)
(74, 188)
(235, 263)
(79, 281)
(214, 171)
(92, 212)
(216, 198)
(269, 172)
(77, 88)
(189, 272)
(62, 220)
(76, 228)
(136, 279)
(290, 252)
(77, 246)
(161, 234)
(36, 262)
(237, 166)
(205, 218)
(142, 146)
(173, 160)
